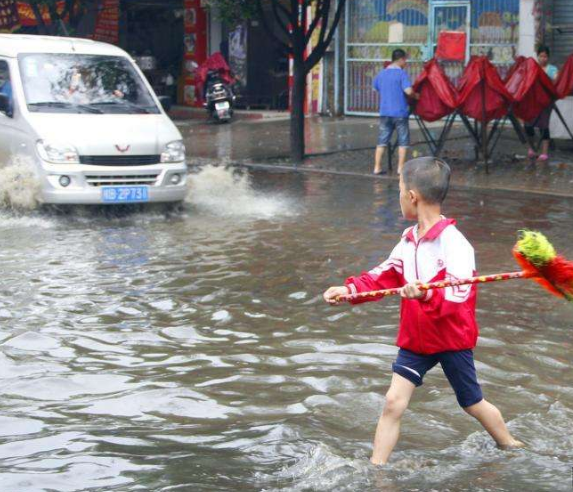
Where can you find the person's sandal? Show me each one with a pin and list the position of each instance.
(543, 158)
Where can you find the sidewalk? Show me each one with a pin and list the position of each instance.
(346, 146)
(182, 113)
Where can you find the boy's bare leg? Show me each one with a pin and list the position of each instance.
(378, 159)
(490, 417)
(402, 155)
(388, 430)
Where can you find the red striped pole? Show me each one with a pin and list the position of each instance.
(379, 294)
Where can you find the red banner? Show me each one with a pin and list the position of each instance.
(451, 46)
(195, 42)
(107, 23)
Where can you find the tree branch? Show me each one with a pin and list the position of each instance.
(270, 32)
(317, 17)
(280, 22)
(320, 48)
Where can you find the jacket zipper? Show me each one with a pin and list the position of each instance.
(418, 241)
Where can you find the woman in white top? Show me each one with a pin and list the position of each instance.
(542, 121)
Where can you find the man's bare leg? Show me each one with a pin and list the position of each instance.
(402, 155)
(490, 417)
(378, 159)
(388, 430)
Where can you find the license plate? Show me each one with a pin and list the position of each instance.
(222, 105)
(125, 194)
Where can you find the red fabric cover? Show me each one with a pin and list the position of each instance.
(438, 97)
(531, 88)
(564, 82)
(215, 62)
(518, 61)
(471, 96)
(451, 46)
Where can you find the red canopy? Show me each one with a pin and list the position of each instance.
(531, 89)
(215, 62)
(438, 97)
(518, 61)
(480, 78)
(564, 82)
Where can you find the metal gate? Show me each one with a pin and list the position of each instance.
(374, 28)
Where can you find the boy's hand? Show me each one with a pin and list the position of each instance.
(332, 294)
(411, 291)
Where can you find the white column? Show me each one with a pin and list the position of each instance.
(526, 28)
(215, 31)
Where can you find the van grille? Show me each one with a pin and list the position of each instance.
(120, 160)
(118, 180)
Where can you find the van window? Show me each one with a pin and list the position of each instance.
(65, 83)
(6, 83)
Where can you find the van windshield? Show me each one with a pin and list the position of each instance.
(64, 83)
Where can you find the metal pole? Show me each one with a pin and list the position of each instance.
(337, 71)
(484, 124)
(558, 111)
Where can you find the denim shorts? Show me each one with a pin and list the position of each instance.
(458, 366)
(387, 126)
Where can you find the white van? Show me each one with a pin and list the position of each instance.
(88, 120)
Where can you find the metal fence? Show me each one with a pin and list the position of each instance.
(374, 28)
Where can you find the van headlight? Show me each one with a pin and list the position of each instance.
(174, 152)
(57, 153)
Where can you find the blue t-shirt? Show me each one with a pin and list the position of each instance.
(391, 84)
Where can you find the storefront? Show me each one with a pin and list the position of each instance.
(374, 28)
(562, 30)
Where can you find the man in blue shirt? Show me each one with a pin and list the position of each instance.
(393, 84)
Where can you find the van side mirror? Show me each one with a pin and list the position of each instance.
(165, 102)
(5, 106)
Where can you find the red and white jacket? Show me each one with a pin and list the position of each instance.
(444, 319)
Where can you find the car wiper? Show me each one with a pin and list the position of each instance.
(122, 102)
(65, 105)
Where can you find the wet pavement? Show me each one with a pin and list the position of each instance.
(192, 351)
(345, 146)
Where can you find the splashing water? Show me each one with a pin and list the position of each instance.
(221, 191)
(321, 469)
(19, 185)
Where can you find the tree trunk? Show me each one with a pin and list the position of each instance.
(297, 113)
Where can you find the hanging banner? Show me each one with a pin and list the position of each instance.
(195, 43)
(9, 19)
(107, 23)
(452, 46)
(238, 53)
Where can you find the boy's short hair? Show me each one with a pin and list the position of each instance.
(398, 54)
(429, 176)
(543, 49)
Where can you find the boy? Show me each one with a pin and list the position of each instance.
(437, 325)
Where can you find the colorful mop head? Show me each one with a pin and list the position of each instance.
(540, 262)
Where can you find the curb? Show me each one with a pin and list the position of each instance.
(389, 178)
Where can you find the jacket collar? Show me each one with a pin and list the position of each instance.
(433, 233)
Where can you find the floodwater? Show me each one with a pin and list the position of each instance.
(193, 352)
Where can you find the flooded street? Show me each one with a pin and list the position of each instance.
(193, 352)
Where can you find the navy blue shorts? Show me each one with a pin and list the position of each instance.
(387, 126)
(458, 367)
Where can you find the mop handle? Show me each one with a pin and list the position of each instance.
(482, 279)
